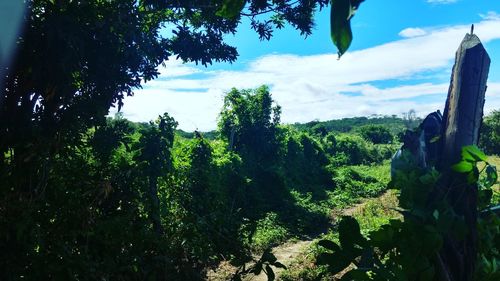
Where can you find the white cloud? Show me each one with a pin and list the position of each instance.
(175, 68)
(318, 86)
(491, 15)
(442, 1)
(412, 32)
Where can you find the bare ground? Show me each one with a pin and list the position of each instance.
(285, 253)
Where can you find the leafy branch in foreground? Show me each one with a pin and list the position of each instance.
(264, 264)
(410, 249)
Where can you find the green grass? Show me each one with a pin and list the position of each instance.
(371, 215)
(495, 161)
(268, 233)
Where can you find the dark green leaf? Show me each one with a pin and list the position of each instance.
(270, 273)
(472, 177)
(330, 245)
(340, 25)
(491, 176)
(350, 233)
(257, 268)
(484, 198)
(336, 262)
(356, 274)
(279, 265)
(463, 167)
(267, 256)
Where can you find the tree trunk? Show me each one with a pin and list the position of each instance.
(154, 212)
(462, 120)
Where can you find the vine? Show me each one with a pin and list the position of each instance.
(411, 249)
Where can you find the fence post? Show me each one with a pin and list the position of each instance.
(462, 120)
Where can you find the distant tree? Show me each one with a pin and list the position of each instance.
(410, 119)
(110, 136)
(352, 150)
(376, 134)
(154, 158)
(76, 59)
(249, 122)
(490, 133)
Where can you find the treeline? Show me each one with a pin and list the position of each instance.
(141, 201)
(138, 201)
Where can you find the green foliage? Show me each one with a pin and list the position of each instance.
(376, 134)
(268, 232)
(264, 264)
(249, 121)
(351, 149)
(490, 133)
(341, 14)
(345, 125)
(411, 249)
(139, 201)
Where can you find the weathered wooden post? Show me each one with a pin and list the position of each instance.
(462, 120)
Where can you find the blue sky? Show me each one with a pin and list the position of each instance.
(400, 59)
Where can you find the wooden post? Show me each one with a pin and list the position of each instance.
(462, 120)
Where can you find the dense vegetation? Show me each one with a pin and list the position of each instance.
(137, 201)
(85, 197)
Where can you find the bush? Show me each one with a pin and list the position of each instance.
(351, 150)
(490, 133)
(376, 134)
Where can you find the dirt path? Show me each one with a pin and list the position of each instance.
(288, 252)
(285, 253)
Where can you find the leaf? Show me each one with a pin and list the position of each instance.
(268, 256)
(466, 156)
(279, 265)
(491, 175)
(270, 273)
(350, 233)
(463, 167)
(475, 152)
(336, 262)
(231, 8)
(330, 245)
(257, 268)
(356, 274)
(340, 23)
(484, 198)
(383, 237)
(472, 177)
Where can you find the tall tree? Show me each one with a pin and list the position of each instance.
(155, 159)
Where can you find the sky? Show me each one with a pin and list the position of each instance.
(400, 59)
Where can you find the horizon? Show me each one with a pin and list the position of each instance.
(397, 62)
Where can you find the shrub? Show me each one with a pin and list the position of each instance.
(376, 134)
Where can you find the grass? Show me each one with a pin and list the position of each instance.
(269, 232)
(352, 184)
(371, 215)
(495, 161)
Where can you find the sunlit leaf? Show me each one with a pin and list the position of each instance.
(475, 152)
(463, 167)
(340, 24)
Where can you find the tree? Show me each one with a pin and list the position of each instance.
(376, 134)
(249, 121)
(155, 160)
(410, 119)
(76, 59)
(490, 133)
